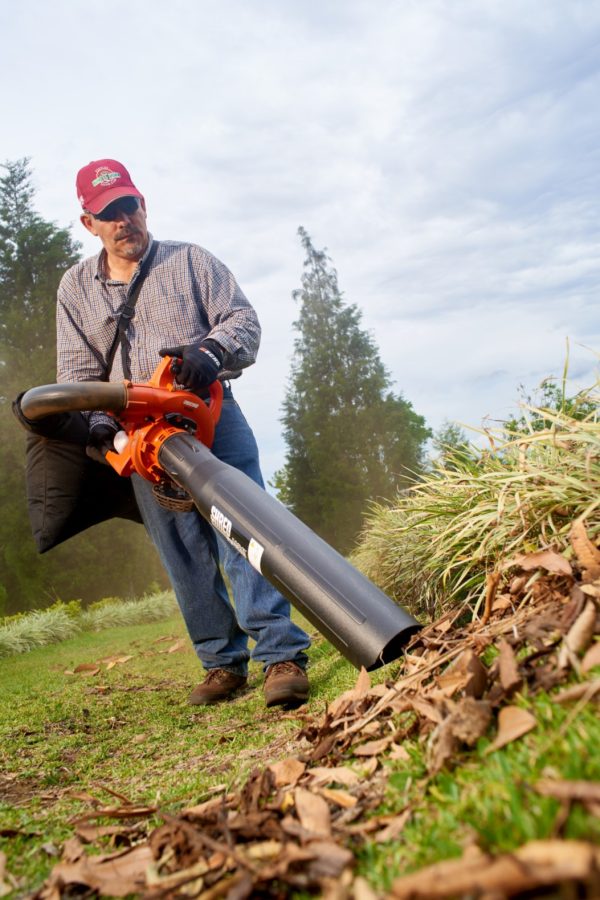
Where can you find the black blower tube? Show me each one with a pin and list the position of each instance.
(363, 623)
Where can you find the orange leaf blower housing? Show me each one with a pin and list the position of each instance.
(154, 412)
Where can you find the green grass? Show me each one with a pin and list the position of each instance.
(489, 799)
(129, 728)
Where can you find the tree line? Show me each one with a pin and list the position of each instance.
(349, 438)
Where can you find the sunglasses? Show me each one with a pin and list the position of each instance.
(125, 205)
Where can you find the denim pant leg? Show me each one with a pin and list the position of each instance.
(261, 610)
(188, 551)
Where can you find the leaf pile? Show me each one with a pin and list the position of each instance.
(294, 824)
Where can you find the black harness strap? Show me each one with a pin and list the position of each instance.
(127, 314)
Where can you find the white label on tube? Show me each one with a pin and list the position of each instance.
(255, 552)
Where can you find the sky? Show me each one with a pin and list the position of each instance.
(445, 152)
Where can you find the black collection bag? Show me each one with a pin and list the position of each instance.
(67, 491)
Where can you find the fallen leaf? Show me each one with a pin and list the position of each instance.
(112, 661)
(550, 560)
(87, 669)
(579, 636)
(470, 720)
(362, 890)
(363, 682)
(591, 658)
(335, 775)
(427, 709)
(113, 875)
(542, 559)
(532, 866)
(6, 887)
(287, 771)
(587, 689)
(469, 665)
(513, 723)
(588, 555)
(394, 827)
(313, 812)
(510, 679)
(373, 748)
(340, 798)
(398, 753)
(562, 789)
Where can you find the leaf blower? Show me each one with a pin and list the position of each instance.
(165, 438)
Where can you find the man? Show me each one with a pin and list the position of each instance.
(190, 307)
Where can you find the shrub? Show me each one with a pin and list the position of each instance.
(434, 546)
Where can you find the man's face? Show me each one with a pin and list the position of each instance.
(121, 227)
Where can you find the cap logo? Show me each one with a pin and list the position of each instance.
(105, 176)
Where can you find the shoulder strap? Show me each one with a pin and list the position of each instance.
(127, 314)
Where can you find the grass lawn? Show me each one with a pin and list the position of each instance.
(129, 728)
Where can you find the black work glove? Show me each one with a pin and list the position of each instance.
(100, 441)
(195, 365)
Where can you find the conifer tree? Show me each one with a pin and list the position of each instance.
(349, 438)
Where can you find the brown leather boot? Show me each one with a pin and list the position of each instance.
(286, 684)
(218, 685)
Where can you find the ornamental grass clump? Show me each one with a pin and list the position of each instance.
(38, 628)
(150, 608)
(434, 547)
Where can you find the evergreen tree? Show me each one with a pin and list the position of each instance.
(349, 438)
(33, 256)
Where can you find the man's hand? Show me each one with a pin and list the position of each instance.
(196, 366)
(100, 441)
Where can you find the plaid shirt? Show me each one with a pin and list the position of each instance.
(187, 295)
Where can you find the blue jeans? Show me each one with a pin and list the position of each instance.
(192, 552)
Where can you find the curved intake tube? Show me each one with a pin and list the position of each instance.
(49, 399)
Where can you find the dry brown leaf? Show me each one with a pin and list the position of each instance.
(369, 767)
(313, 812)
(287, 771)
(427, 709)
(340, 798)
(87, 669)
(363, 682)
(579, 636)
(470, 720)
(335, 775)
(587, 689)
(588, 555)
(362, 890)
(6, 887)
(562, 789)
(174, 648)
(510, 679)
(394, 827)
(112, 875)
(469, 665)
(534, 865)
(113, 661)
(373, 748)
(329, 861)
(513, 723)
(542, 559)
(591, 658)
(398, 752)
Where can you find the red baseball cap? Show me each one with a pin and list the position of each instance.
(101, 182)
